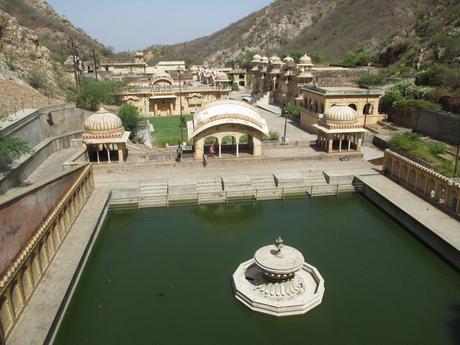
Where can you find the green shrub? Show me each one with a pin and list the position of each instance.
(93, 93)
(12, 148)
(37, 79)
(131, 119)
(274, 135)
(437, 148)
(292, 109)
(370, 79)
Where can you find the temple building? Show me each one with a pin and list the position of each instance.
(339, 130)
(284, 79)
(105, 138)
(316, 100)
(167, 66)
(228, 127)
(124, 66)
(163, 95)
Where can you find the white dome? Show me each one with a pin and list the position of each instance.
(341, 113)
(103, 124)
(305, 60)
(221, 76)
(264, 59)
(256, 58)
(275, 59)
(288, 59)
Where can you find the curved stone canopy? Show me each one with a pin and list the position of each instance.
(161, 76)
(256, 58)
(305, 60)
(227, 112)
(284, 261)
(222, 77)
(103, 124)
(340, 113)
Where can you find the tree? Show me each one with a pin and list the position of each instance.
(94, 92)
(131, 119)
(11, 148)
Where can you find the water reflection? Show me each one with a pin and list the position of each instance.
(228, 214)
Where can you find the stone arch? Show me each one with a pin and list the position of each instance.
(353, 106)
(412, 177)
(404, 172)
(421, 183)
(431, 188)
(368, 109)
(211, 145)
(452, 201)
(389, 165)
(229, 144)
(396, 169)
(441, 193)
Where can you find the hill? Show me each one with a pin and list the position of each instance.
(52, 29)
(330, 28)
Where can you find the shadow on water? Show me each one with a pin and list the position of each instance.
(454, 323)
(228, 214)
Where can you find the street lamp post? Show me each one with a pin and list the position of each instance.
(180, 105)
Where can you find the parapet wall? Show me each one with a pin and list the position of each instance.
(439, 125)
(46, 131)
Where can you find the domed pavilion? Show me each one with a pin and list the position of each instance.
(339, 130)
(230, 126)
(105, 137)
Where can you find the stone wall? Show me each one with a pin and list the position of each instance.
(439, 125)
(21, 213)
(44, 137)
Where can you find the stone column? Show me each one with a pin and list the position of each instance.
(107, 148)
(329, 145)
(220, 148)
(237, 147)
(340, 145)
(155, 109)
(349, 143)
(97, 155)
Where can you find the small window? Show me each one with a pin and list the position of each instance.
(49, 118)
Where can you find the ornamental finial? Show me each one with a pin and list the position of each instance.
(279, 243)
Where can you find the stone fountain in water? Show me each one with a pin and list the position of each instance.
(278, 281)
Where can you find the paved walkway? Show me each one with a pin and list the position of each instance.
(294, 132)
(119, 177)
(437, 221)
(38, 316)
(52, 165)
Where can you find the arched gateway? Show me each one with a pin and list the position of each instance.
(232, 124)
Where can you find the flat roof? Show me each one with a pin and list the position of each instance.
(341, 90)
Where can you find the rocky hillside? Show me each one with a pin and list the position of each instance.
(33, 47)
(329, 27)
(52, 29)
(434, 37)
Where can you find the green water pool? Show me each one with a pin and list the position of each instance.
(163, 276)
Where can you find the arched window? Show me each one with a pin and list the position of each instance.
(368, 109)
(352, 105)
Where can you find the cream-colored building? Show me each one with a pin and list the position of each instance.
(229, 126)
(315, 101)
(163, 96)
(105, 138)
(123, 66)
(167, 66)
(339, 130)
(284, 79)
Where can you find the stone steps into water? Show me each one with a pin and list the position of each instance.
(210, 191)
(182, 191)
(153, 194)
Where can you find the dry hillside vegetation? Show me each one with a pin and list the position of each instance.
(329, 27)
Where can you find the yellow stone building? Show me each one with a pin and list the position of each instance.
(315, 101)
(164, 96)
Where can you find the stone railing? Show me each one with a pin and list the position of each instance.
(25, 273)
(439, 190)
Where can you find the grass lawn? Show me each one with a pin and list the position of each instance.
(167, 130)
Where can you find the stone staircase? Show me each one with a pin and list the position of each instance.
(182, 191)
(264, 188)
(264, 103)
(210, 191)
(153, 194)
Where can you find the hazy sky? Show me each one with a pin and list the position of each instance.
(136, 24)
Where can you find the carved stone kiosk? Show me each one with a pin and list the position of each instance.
(278, 281)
